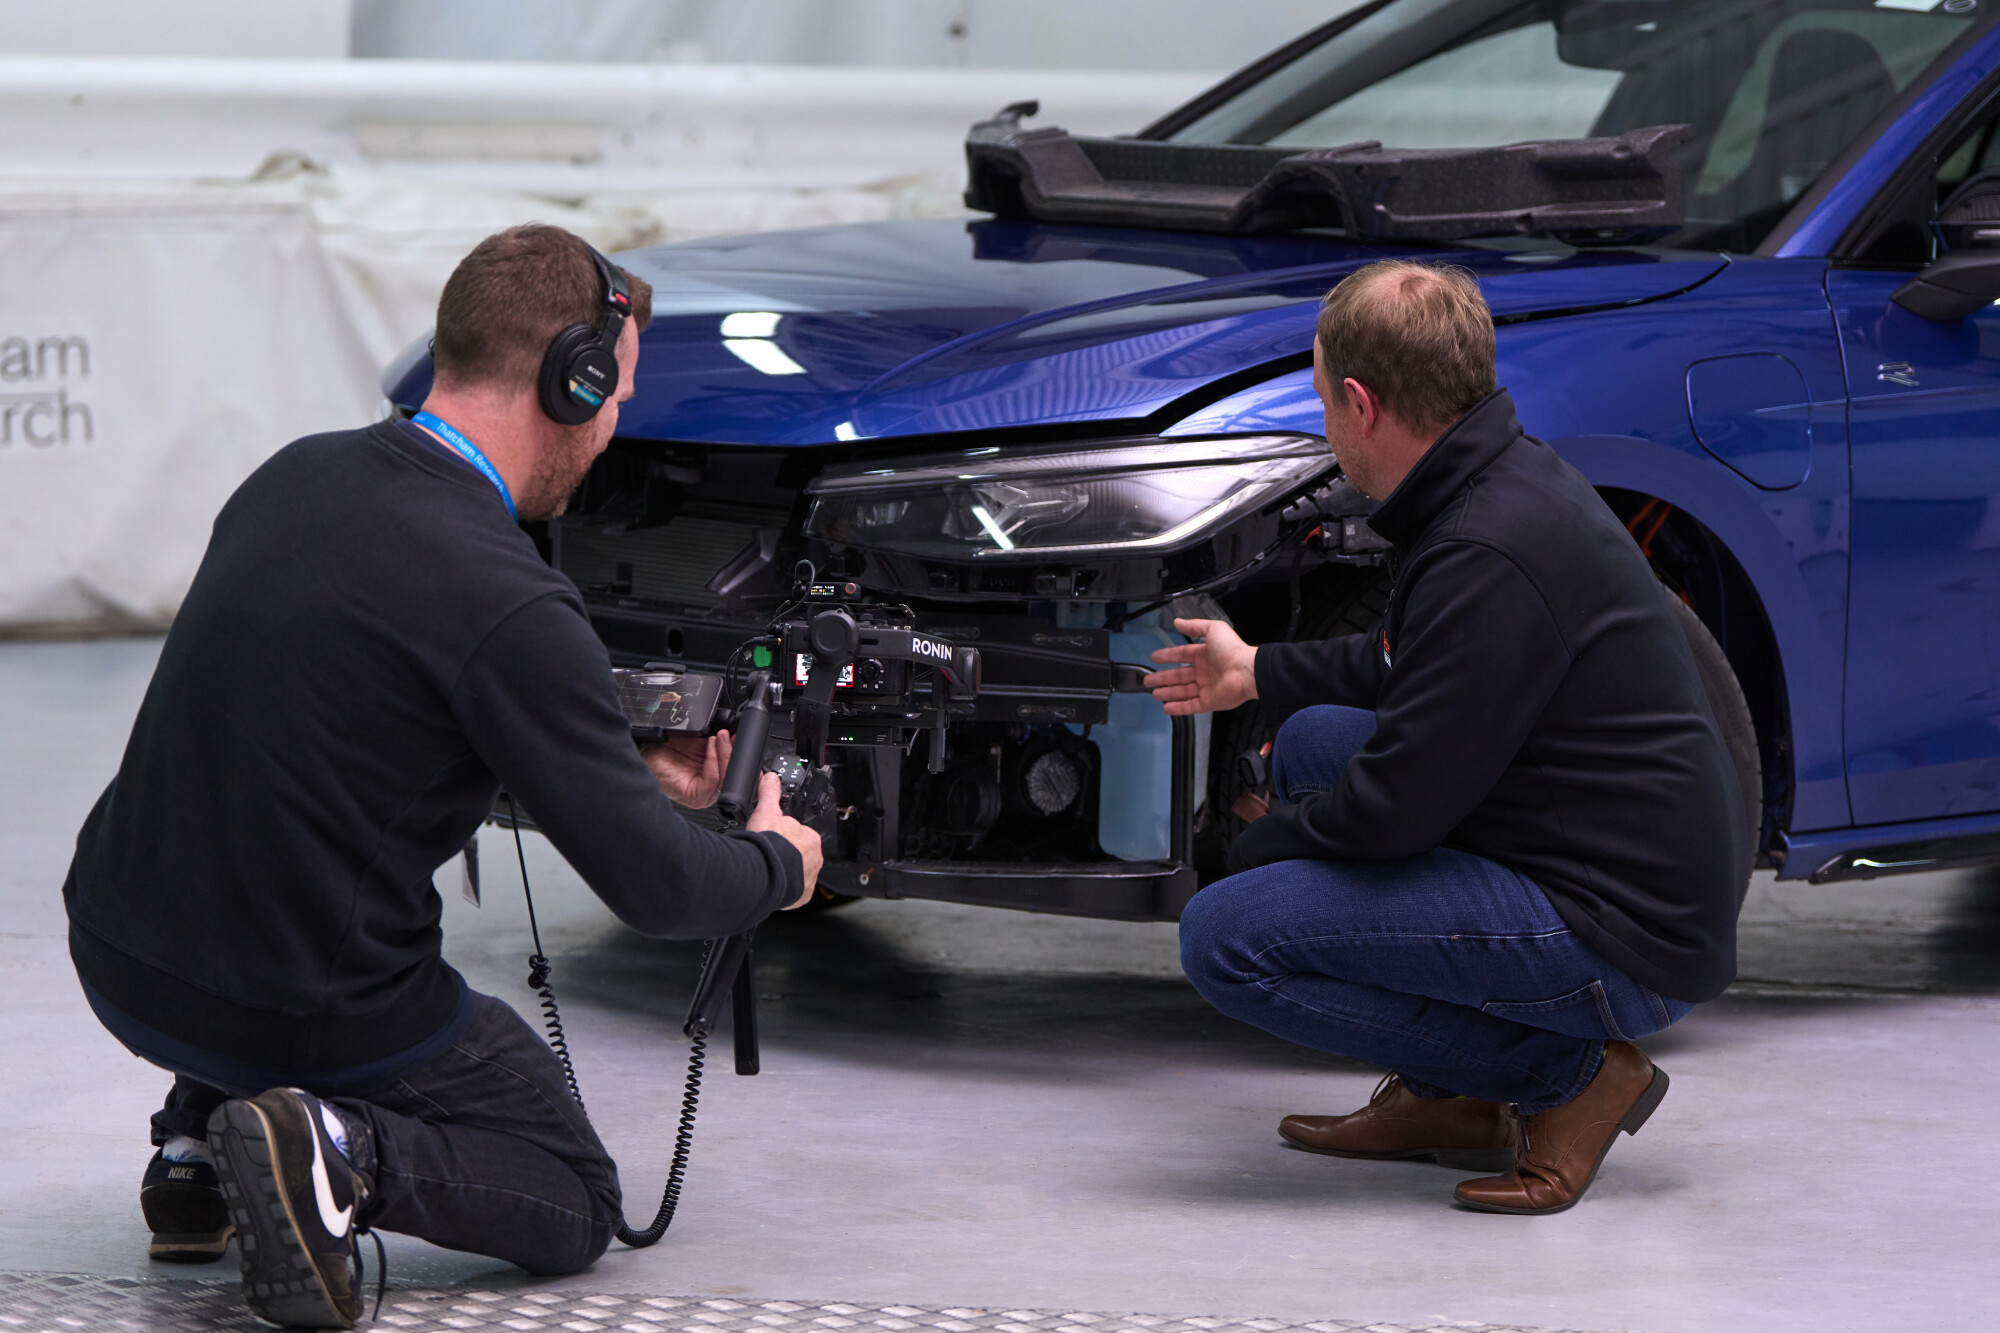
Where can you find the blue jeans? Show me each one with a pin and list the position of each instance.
(1448, 968)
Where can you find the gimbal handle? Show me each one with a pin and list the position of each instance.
(727, 971)
(738, 796)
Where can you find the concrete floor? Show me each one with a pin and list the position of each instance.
(963, 1107)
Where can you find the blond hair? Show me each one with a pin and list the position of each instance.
(1420, 336)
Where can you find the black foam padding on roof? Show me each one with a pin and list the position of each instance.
(1612, 190)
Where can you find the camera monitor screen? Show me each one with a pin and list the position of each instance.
(657, 702)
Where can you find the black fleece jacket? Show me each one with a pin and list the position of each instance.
(370, 648)
(1536, 704)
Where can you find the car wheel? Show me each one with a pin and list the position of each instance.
(1351, 602)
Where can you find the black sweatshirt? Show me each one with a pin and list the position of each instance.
(1536, 704)
(370, 648)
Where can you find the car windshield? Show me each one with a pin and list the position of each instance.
(1775, 89)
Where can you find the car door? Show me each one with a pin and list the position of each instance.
(1922, 705)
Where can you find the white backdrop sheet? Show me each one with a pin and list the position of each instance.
(158, 341)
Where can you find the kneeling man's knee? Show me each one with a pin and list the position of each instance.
(584, 1247)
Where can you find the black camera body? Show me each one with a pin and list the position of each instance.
(848, 673)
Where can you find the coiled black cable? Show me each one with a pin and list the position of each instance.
(670, 1198)
(538, 980)
(538, 968)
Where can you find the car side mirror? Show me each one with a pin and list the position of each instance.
(1952, 286)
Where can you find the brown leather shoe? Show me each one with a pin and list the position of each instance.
(1398, 1125)
(1562, 1148)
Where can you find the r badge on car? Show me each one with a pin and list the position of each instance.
(1897, 372)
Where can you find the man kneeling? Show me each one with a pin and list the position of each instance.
(1506, 838)
(372, 647)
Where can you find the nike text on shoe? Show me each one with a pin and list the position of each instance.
(293, 1199)
(183, 1205)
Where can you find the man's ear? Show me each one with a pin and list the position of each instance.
(1367, 407)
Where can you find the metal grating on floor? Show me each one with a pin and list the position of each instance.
(57, 1303)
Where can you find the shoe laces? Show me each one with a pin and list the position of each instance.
(1386, 1089)
(1531, 1159)
(364, 1189)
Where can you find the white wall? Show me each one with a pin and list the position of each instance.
(561, 130)
(285, 29)
(1212, 35)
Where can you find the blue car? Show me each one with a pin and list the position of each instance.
(1743, 257)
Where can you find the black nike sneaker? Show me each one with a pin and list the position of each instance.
(293, 1199)
(183, 1205)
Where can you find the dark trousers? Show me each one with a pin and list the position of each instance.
(479, 1149)
(1448, 968)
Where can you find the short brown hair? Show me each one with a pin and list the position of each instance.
(1419, 335)
(509, 298)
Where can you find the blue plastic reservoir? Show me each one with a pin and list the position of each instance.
(1136, 747)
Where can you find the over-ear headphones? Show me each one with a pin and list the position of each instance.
(580, 370)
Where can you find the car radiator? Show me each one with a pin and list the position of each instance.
(671, 564)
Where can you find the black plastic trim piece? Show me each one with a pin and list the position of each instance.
(1112, 890)
(1616, 190)
(1952, 286)
(1910, 858)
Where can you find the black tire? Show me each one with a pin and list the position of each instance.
(1352, 602)
(1733, 719)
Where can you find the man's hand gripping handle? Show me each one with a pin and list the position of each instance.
(727, 969)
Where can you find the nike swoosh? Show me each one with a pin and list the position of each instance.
(335, 1220)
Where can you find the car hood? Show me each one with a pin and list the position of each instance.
(909, 328)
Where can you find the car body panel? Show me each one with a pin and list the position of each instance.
(1116, 329)
(1791, 543)
(1923, 659)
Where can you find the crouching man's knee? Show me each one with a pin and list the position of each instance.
(1216, 954)
(1314, 747)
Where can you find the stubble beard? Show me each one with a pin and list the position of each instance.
(558, 472)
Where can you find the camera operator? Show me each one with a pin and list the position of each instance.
(372, 648)
(1506, 837)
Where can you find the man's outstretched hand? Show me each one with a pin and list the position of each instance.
(770, 816)
(1211, 675)
(689, 769)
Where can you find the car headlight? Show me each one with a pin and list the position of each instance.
(1102, 500)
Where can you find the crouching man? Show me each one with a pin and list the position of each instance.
(1507, 838)
(371, 648)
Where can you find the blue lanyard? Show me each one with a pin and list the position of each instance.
(469, 451)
